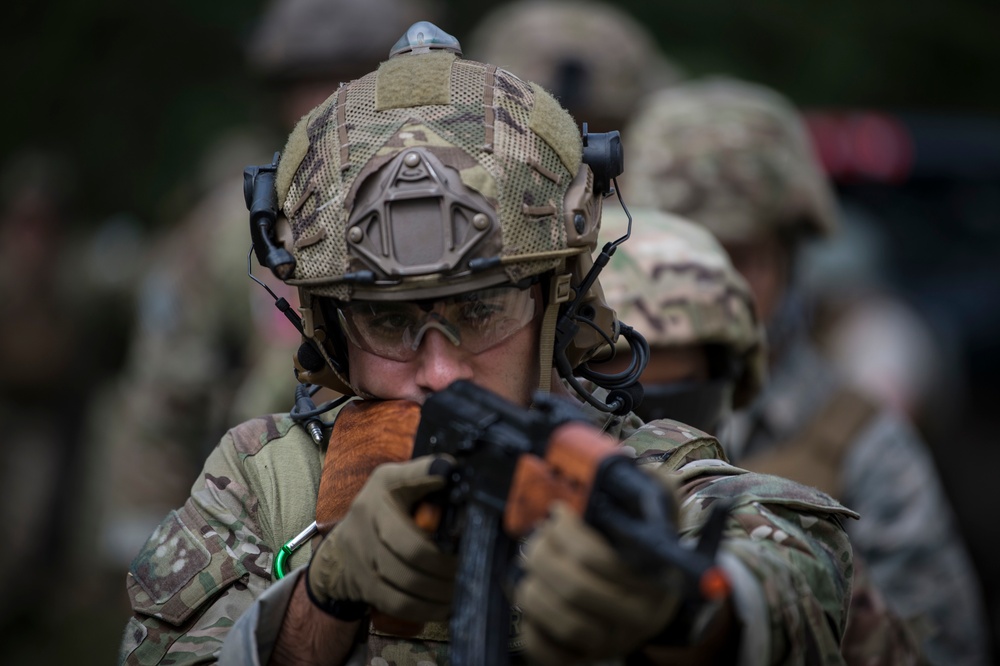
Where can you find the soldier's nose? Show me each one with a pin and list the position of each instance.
(440, 362)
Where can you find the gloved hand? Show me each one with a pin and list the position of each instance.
(379, 556)
(579, 599)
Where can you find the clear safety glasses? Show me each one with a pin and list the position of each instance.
(476, 320)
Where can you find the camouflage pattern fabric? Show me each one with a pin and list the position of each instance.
(203, 577)
(674, 283)
(597, 60)
(507, 141)
(207, 562)
(735, 157)
(730, 155)
(874, 634)
(907, 534)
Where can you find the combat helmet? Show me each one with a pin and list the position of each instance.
(730, 155)
(595, 58)
(431, 177)
(675, 283)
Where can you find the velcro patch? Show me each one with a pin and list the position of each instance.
(414, 80)
(557, 128)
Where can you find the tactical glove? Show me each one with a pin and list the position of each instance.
(579, 599)
(377, 555)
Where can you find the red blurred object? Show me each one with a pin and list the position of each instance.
(862, 145)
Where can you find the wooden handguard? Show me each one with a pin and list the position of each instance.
(567, 472)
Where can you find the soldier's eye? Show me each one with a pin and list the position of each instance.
(479, 313)
(389, 322)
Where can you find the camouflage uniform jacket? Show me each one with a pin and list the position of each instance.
(907, 534)
(202, 589)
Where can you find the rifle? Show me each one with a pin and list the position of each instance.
(511, 464)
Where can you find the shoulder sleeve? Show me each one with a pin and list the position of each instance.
(910, 541)
(671, 444)
(786, 554)
(203, 566)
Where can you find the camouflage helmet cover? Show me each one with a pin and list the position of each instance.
(504, 147)
(495, 163)
(320, 38)
(674, 283)
(730, 155)
(597, 59)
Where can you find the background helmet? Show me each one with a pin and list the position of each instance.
(303, 39)
(429, 177)
(730, 155)
(674, 282)
(595, 58)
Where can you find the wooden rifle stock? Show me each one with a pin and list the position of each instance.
(366, 434)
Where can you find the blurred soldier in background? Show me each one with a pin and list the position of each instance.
(707, 347)
(593, 57)
(209, 347)
(674, 283)
(735, 157)
(40, 356)
(66, 303)
(875, 338)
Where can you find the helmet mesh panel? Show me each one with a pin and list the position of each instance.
(376, 134)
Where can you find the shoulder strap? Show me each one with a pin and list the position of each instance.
(814, 456)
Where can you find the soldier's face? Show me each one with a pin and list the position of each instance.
(509, 369)
(765, 264)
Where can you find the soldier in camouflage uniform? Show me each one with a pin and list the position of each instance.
(735, 157)
(438, 214)
(594, 57)
(674, 282)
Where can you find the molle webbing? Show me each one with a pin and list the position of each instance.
(815, 456)
(345, 143)
(489, 112)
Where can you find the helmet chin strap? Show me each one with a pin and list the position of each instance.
(559, 293)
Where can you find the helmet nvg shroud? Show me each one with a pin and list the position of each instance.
(434, 176)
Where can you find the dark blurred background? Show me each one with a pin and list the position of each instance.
(133, 93)
(903, 100)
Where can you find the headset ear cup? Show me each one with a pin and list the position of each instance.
(602, 329)
(308, 359)
(321, 358)
(312, 368)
